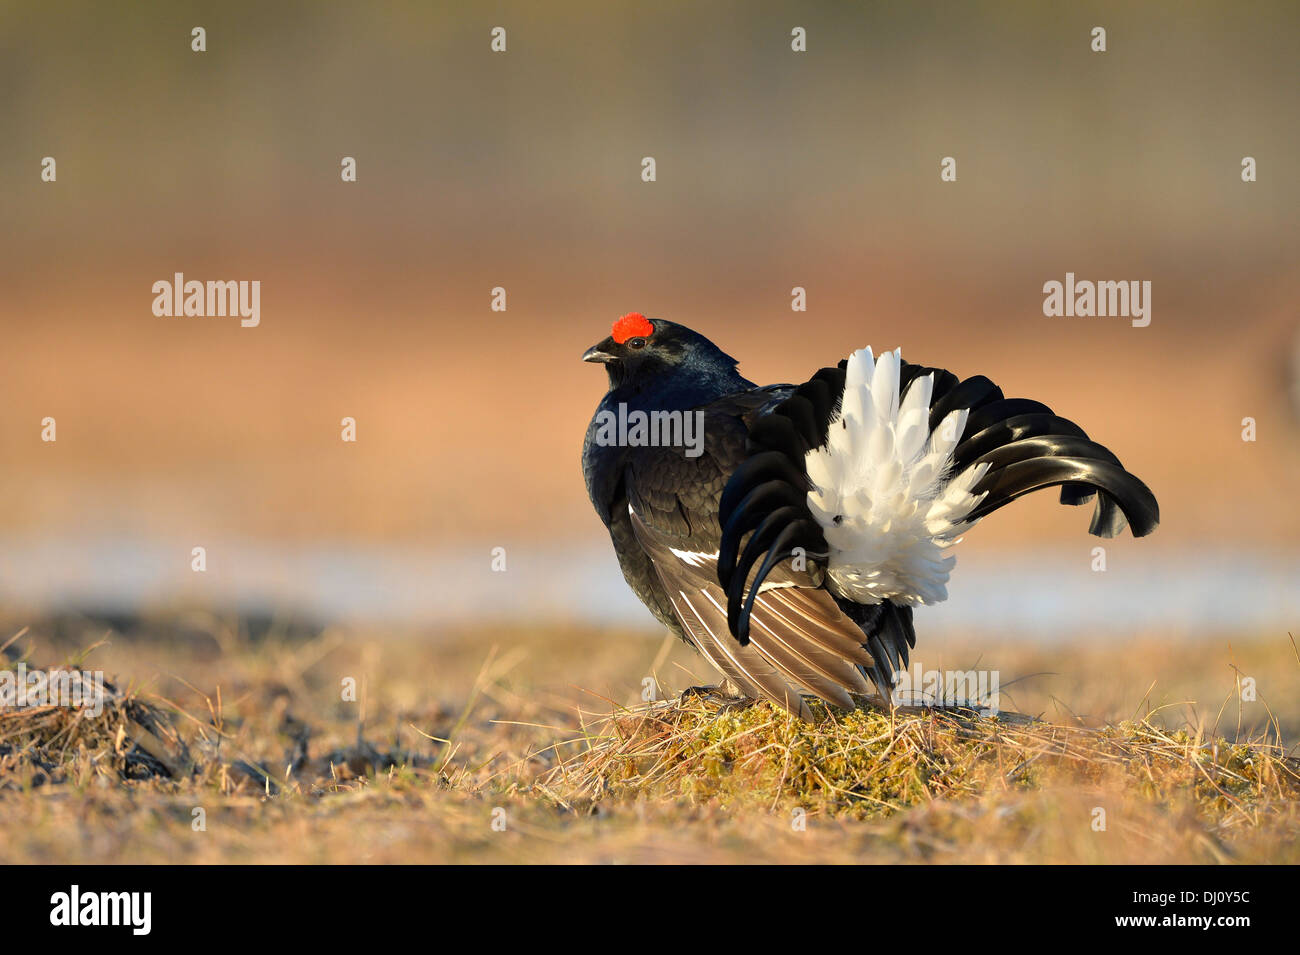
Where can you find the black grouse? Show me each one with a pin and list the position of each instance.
(787, 531)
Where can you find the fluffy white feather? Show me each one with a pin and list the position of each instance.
(882, 488)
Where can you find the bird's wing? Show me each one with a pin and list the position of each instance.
(800, 637)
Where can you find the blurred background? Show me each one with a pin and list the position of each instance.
(522, 170)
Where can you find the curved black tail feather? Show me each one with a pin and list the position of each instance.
(768, 494)
(1023, 443)
(890, 635)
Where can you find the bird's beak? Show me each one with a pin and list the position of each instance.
(601, 352)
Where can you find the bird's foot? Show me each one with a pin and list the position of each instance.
(703, 692)
(721, 695)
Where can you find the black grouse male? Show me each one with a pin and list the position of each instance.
(787, 531)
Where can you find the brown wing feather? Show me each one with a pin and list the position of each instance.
(800, 638)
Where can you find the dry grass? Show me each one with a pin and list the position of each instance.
(874, 764)
(256, 735)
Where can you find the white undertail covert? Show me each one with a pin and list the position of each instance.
(883, 491)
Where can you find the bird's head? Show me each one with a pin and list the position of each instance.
(642, 350)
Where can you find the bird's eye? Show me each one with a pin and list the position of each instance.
(636, 343)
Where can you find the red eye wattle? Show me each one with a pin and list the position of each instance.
(632, 325)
